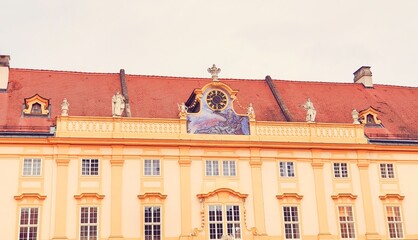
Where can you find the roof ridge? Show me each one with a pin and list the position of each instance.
(61, 71)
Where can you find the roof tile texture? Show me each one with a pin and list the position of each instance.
(89, 94)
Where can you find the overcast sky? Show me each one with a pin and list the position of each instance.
(310, 40)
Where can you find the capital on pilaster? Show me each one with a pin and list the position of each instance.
(62, 161)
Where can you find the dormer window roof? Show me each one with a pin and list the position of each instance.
(36, 106)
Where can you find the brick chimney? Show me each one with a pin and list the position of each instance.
(4, 71)
(364, 75)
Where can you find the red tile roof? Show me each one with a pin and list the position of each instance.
(156, 97)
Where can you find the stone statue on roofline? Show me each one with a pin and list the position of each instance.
(182, 109)
(355, 114)
(250, 112)
(310, 111)
(214, 71)
(118, 104)
(65, 105)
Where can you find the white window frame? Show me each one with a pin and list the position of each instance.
(155, 223)
(395, 222)
(32, 223)
(212, 168)
(226, 221)
(387, 170)
(340, 170)
(32, 167)
(346, 222)
(291, 223)
(88, 168)
(287, 169)
(152, 167)
(89, 224)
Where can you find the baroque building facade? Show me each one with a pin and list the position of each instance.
(205, 158)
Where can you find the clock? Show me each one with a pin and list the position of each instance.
(216, 100)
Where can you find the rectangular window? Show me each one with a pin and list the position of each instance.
(394, 222)
(229, 168)
(345, 215)
(287, 169)
(224, 222)
(88, 223)
(28, 224)
(212, 168)
(152, 223)
(291, 222)
(90, 167)
(386, 170)
(340, 170)
(152, 167)
(32, 167)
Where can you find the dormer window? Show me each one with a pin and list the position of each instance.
(36, 106)
(369, 117)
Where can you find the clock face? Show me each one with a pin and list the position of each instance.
(216, 100)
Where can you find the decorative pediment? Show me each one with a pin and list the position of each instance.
(30, 196)
(36, 106)
(223, 193)
(344, 198)
(369, 116)
(89, 198)
(392, 197)
(210, 110)
(289, 198)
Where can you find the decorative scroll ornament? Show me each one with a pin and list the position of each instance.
(214, 71)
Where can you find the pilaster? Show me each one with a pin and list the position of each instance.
(257, 185)
(60, 230)
(185, 192)
(116, 166)
(363, 166)
(318, 169)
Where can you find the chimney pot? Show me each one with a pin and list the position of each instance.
(4, 71)
(364, 75)
(4, 60)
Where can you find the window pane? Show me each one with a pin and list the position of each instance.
(94, 167)
(215, 168)
(147, 167)
(390, 171)
(290, 169)
(85, 164)
(156, 167)
(282, 172)
(225, 166)
(37, 167)
(232, 171)
(24, 216)
(27, 167)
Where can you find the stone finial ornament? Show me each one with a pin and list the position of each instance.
(182, 109)
(355, 115)
(310, 111)
(118, 104)
(214, 71)
(250, 112)
(65, 105)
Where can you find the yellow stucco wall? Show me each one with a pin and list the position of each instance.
(258, 188)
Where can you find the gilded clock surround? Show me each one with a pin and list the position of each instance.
(217, 100)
